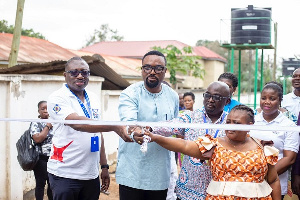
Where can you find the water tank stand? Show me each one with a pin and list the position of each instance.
(255, 73)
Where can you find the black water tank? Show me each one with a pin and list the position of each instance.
(247, 26)
(289, 66)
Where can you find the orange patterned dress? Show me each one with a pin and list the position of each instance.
(234, 168)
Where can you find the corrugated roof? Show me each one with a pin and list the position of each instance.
(113, 81)
(39, 56)
(132, 49)
(33, 50)
(126, 67)
(137, 49)
(123, 66)
(208, 54)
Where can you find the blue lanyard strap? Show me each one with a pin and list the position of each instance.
(217, 131)
(86, 97)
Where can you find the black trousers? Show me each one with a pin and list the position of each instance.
(128, 193)
(73, 189)
(41, 177)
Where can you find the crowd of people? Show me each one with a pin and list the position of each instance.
(214, 163)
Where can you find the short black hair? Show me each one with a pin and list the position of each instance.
(156, 53)
(277, 83)
(41, 103)
(230, 76)
(189, 94)
(72, 59)
(276, 87)
(245, 108)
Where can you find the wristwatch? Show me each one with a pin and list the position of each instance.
(105, 166)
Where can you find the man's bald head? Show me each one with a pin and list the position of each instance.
(216, 97)
(222, 87)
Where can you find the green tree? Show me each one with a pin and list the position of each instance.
(215, 46)
(104, 33)
(181, 61)
(248, 70)
(5, 28)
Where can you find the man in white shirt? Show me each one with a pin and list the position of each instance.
(291, 101)
(77, 149)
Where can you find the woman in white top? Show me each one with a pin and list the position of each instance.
(285, 141)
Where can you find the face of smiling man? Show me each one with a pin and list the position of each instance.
(216, 97)
(152, 79)
(296, 79)
(79, 82)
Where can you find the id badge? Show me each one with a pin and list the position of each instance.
(94, 144)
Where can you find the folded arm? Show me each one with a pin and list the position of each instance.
(40, 137)
(284, 163)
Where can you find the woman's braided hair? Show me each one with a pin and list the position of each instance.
(245, 108)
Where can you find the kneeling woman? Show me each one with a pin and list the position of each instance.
(240, 164)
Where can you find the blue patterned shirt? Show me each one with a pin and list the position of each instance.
(195, 175)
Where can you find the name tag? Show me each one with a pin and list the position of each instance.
(94, 144)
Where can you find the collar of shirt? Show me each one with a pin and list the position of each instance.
(221, 119)
(68, 91)
(154, 94)
(259, 118)
(294, 96)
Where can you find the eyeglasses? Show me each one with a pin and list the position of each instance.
(157, 69)
(75, 73)
(214, 97)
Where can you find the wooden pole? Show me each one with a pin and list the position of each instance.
(13, 56)
(275, 51)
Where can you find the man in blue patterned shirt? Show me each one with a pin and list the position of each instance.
(195, 174)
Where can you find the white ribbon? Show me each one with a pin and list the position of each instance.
(164, 124)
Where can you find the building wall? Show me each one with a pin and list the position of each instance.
(213, 69)
(110, 103)
(19, 97)
(3, 138)
(191, 82)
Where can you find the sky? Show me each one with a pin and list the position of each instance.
(69, 23)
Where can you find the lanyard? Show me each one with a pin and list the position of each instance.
(217, 131)
(86, 112)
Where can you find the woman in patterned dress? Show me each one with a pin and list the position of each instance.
(241, 167)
